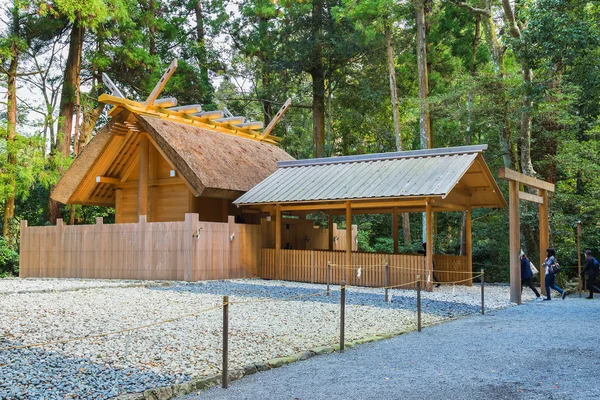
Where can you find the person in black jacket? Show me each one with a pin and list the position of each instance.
(591, 268)
(527, 276)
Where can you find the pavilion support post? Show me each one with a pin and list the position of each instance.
(429, 246)
(330, 227)
(544, 237)
(348, 241)
(395, 229)
(515, 242)
(278, 241)
(469, 237)
(143, 176)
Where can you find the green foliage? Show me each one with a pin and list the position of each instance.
(9, 259)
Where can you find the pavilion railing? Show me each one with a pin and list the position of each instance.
(311, 266)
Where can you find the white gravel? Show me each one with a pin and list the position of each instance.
(17, 285)
(266, 327)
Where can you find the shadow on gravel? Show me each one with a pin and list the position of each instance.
(252, 290)
(39, 374)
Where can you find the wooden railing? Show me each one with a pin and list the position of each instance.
(311, 266)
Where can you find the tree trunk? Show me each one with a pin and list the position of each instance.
(202, 56)
(525, 147)
(9, 204)
(317, 72)
(66, 108)
(396, 115)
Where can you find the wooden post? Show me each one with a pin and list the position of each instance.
(278, 241)
(482, 292)
(429, 246)
(225, 376)
(515, 242)
(143, 176)
(395, 229)
(348, 241)
(419, 302)
(23, 250)
(118, 206)
(544, 238)
(99, 251)
(387, 279)
(342, 314)
(579, 256)
(328, 277)
(469, 237)
(330, 234)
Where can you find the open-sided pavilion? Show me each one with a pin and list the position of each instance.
(429, 181)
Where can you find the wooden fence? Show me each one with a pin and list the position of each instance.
(190, 250)
(311, 266)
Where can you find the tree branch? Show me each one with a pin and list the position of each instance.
(472, 9)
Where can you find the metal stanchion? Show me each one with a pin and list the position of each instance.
(342, 314)
(419, 303)
(225, 377)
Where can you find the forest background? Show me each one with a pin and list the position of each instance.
(365, 76)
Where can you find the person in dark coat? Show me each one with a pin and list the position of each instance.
(550, 277)
(591, 268)
(527, 276)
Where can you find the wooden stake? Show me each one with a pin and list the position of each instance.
(387, 279)
(579, 256)
(544, 238)
(515, 242)
(419, 303)
(429, 246)
(225, 376)
(482, 292)
(328, 277)
(342, 314)
(469, 237)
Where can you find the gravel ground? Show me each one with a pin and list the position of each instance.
(541, 350)
(269, 325)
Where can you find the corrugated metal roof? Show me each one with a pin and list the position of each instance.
(401, 174)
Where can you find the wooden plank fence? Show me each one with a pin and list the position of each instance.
(311, 266)
(189, 250)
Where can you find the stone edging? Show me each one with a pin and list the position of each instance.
(181, 389)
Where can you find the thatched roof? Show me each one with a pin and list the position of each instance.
(212, 163)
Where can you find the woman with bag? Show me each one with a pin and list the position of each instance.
(527, 276)
(552, 268)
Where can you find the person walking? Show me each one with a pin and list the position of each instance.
(527, 276)
(550, 276)
(591, 268)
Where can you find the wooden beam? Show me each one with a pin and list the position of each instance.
(429, 246)
(348, 241)
(355, 205)
(330, 233)
(515, 241)
(395, 229)
(143, 177)
(469, 237)
(278, 241)
(530, 197)
(107, 179)
(509, 174)
(276, 118)
(165, 102)
(544, 237)
(161, 84)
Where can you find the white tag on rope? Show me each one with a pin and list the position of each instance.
(390, 298)
(358, 273)
(453, 290)
(428, 278)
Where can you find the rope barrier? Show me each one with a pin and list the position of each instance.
(365, 267)
(64, 341)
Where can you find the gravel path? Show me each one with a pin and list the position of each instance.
(269, 325)
(541, 350)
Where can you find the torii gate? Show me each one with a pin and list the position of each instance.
(515, 178)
